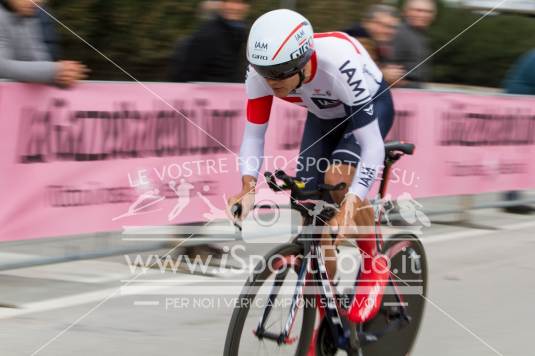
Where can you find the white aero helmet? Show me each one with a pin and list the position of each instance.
(280, 43)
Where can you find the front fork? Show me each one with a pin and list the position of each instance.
(325, 297)
(283, 337)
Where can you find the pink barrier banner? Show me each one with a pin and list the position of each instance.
(465, 144)
(109, 155)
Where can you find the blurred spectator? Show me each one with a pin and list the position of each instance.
(209, 9)
(521, 77)
(49, 33)
(213, 53)
(411, 44)
(376, 33)
(521, 80)
(24, 55)
(377, 30)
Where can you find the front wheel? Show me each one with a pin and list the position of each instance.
(241, 339)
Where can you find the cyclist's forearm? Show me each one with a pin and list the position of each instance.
(252, 149)
(248, 184)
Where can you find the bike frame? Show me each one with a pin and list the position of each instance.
(313, 265)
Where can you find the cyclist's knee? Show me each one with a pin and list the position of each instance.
(337, 173)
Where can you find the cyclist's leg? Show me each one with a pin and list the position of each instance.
(344, 172)
(314, 161)
(336, 173)
(348, 153)
(315, 150)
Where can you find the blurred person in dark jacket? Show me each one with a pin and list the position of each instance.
(24, 55)
(411, 43)
(49, 33)
(376, 33)
(213, 53)
(521, 77)
(520, 80)
(209, 9)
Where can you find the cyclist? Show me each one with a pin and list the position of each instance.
(350, 111)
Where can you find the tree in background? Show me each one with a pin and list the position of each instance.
(140, 35)
(483, 54)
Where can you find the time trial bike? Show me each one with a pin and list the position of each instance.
(276, 312)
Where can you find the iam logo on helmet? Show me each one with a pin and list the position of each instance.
(299, 35)
(260, 46)
(303, 47)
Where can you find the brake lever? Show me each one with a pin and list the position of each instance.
(332, 188)
(334, 235)
(272, 184)
(340, 186)
(236, 211)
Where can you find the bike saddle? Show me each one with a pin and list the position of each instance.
(406, 148)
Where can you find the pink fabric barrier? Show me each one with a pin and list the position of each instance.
(89, 159)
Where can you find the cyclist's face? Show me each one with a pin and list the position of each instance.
(25, 7)
(281, 88)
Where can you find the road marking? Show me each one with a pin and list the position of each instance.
(90, 271)
(13, 257)
(395, 304)
(146, 303)
(56, 303)
(450, 236)
(84, 298)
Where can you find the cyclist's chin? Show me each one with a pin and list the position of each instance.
(281, 92)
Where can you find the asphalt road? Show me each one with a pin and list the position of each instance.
(480, 301)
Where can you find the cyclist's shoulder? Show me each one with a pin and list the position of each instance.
(336, 43)
(252, 78)
(255, 85)
(344, 59)
(336, 48)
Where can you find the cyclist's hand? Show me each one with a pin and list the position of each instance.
(354, 219)
(246, 199)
